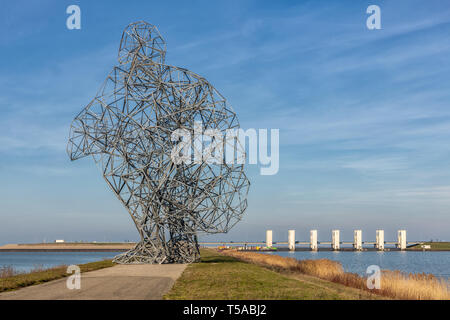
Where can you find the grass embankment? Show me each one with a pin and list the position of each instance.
(218, 276)
(394, 284)
(433, 246)
(11, 279)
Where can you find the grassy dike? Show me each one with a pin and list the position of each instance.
(436, 246)
(10, 280)
(218, 276)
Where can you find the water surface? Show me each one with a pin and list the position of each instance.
(26, 261)
(435, 262)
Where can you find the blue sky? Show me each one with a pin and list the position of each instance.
(364, 115)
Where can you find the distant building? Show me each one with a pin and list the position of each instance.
(59, 241)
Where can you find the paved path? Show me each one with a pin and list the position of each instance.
(119, 282)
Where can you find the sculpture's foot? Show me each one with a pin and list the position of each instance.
(147, 253)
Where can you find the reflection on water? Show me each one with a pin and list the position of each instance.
(25, 261)
(437, 262)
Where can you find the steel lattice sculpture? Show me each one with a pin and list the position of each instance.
(127, 128)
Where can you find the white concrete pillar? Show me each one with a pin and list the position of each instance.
(291, 240)
(380, 240)
(313, 240)
(401, 244)
(268, 238)
(357, 240)
(335, 243)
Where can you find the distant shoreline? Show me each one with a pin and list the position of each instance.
(64, 250)
(284, 249)
(122, 247)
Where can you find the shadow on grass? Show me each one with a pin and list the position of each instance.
(218, 259)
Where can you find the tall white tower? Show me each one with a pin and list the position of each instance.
(401, 239)
(335, 243)
(268, 238)
(357, 240)
(313, 240)
(380, 240)
(291, 240)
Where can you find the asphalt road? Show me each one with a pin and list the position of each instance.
(121, 282)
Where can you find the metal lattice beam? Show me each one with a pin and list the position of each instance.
(127, 128)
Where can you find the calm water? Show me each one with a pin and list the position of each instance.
(437, 263)
(25, 261)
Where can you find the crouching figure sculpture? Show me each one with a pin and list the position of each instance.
(128, 129)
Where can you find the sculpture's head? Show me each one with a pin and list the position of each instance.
(142, 41)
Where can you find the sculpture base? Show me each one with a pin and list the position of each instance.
(148, 253)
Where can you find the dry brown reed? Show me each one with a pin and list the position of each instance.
(7, 271)
(394, 284)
